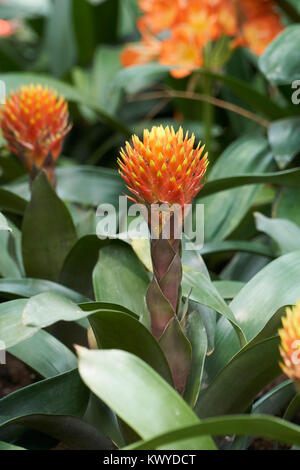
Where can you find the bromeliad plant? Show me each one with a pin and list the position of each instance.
(166, 169)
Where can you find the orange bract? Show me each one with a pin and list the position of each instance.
(164, 168)
(290, 343)
(34, 121)
(186, 26)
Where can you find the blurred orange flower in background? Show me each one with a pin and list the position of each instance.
(164, 167)
(290, 343)
(174, 32)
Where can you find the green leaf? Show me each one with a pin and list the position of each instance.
(120, 278)
(257, 100)
(224, 211)
(293, 408)
(145, 397)
(275, 286)
(3, 223)
(29, 287)
(290, 8)
(47, 308)
(117, 330)
(260, 426)
(84, 30)
(89, 185)
(286, 206)
(6, 446)
(86, 185)
(12, 329)
(46, 406)
(274, 401)
(196, 334)
(238, 383)
(48, 232)
(285, 233)
(280, 62)
(8, 265)
(59, 31)
(228, 289)
(45, 354)
(204, 292)
(138, 77)
(284, 138)
(10, 202)
(236, 245)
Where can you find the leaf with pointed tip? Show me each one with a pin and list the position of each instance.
(120, 278)
(238, 383)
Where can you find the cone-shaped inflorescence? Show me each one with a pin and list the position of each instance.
(34, 121)
(290, 344)
(164, 172)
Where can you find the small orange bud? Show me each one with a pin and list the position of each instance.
(290, 343)
(34, 121)
(163, 168)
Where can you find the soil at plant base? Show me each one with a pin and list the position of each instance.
(14, 375)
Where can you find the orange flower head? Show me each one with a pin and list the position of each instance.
(290, 343)
(164, 167)
(34, 121)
